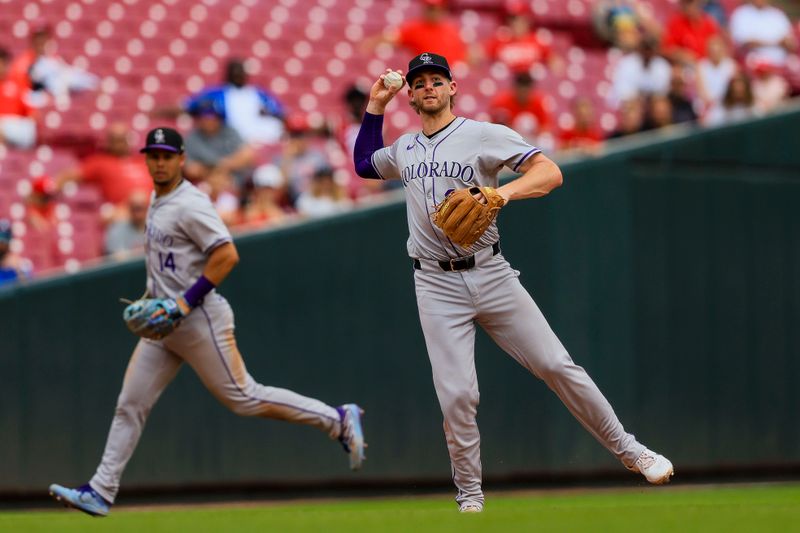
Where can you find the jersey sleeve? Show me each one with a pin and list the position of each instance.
(385, 162)
(203, 226)
(271, 104)
(502, 146)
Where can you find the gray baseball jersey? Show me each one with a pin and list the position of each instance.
(466, 153)
(450, 303)
(182, 229)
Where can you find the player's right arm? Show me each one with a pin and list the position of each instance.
(540, 175)
(221, 261)
(370, 136)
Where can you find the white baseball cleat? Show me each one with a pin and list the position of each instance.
(469, 507)
(653, 466)
(352, 436)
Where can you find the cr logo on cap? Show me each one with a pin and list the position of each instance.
(425, 58)
(159, 136)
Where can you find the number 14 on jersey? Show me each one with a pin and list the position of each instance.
(167, 261)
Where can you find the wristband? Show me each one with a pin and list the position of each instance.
(197, 292)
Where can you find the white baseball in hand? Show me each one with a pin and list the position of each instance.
(392, 80)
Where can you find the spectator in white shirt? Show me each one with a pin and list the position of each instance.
(324, 196)
(714, 73)
(255, 113)
(738, 101)
(762, 32)
(640, 73)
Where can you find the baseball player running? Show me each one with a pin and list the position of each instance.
(458, 286)
(189, 252)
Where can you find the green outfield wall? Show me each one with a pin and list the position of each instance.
(669, 267)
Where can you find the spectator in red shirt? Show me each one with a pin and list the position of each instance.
(583, 134)
(17, 122)
(516, 45)
(115, 170)
(431, 32)
(687, 33)
(40, 205)
(521, 107)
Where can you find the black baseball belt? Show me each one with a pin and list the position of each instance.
(458, 264)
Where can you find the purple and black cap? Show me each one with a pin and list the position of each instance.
(163, 139)
(427, 61)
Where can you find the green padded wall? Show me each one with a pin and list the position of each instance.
(668, 267)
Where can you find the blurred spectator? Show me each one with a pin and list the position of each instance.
(659, 112)
(640, 72)
(115, 170)
(631, 118)
(613, 18)
(214, 147)
(583, 134)
(40, 205)
(12, 267)
(770, 88)
(40, 68)
(516, 45)
(713, 75)
(433, 31)
(717, 12)
(299, 159)
(324, 196)
(521, 107)
(763, 33)
(253, 112)
(126, 236)
(346, 127)
(738, 101)
(17, 123)
(355, 103)
(679, 97)
(264, 206)
(224, 194)
(686, 36)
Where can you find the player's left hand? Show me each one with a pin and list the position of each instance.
(479, 196)
(155, 318)
(465, 214)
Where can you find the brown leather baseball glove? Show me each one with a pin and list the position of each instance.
(464, 218)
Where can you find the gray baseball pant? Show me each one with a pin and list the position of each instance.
(205, 341)
(490, 294)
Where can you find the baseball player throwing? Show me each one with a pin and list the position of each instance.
(461, 278)
(189, 252)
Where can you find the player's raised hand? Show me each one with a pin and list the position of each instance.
(384, 89)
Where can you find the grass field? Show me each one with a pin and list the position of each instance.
(684, 509)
